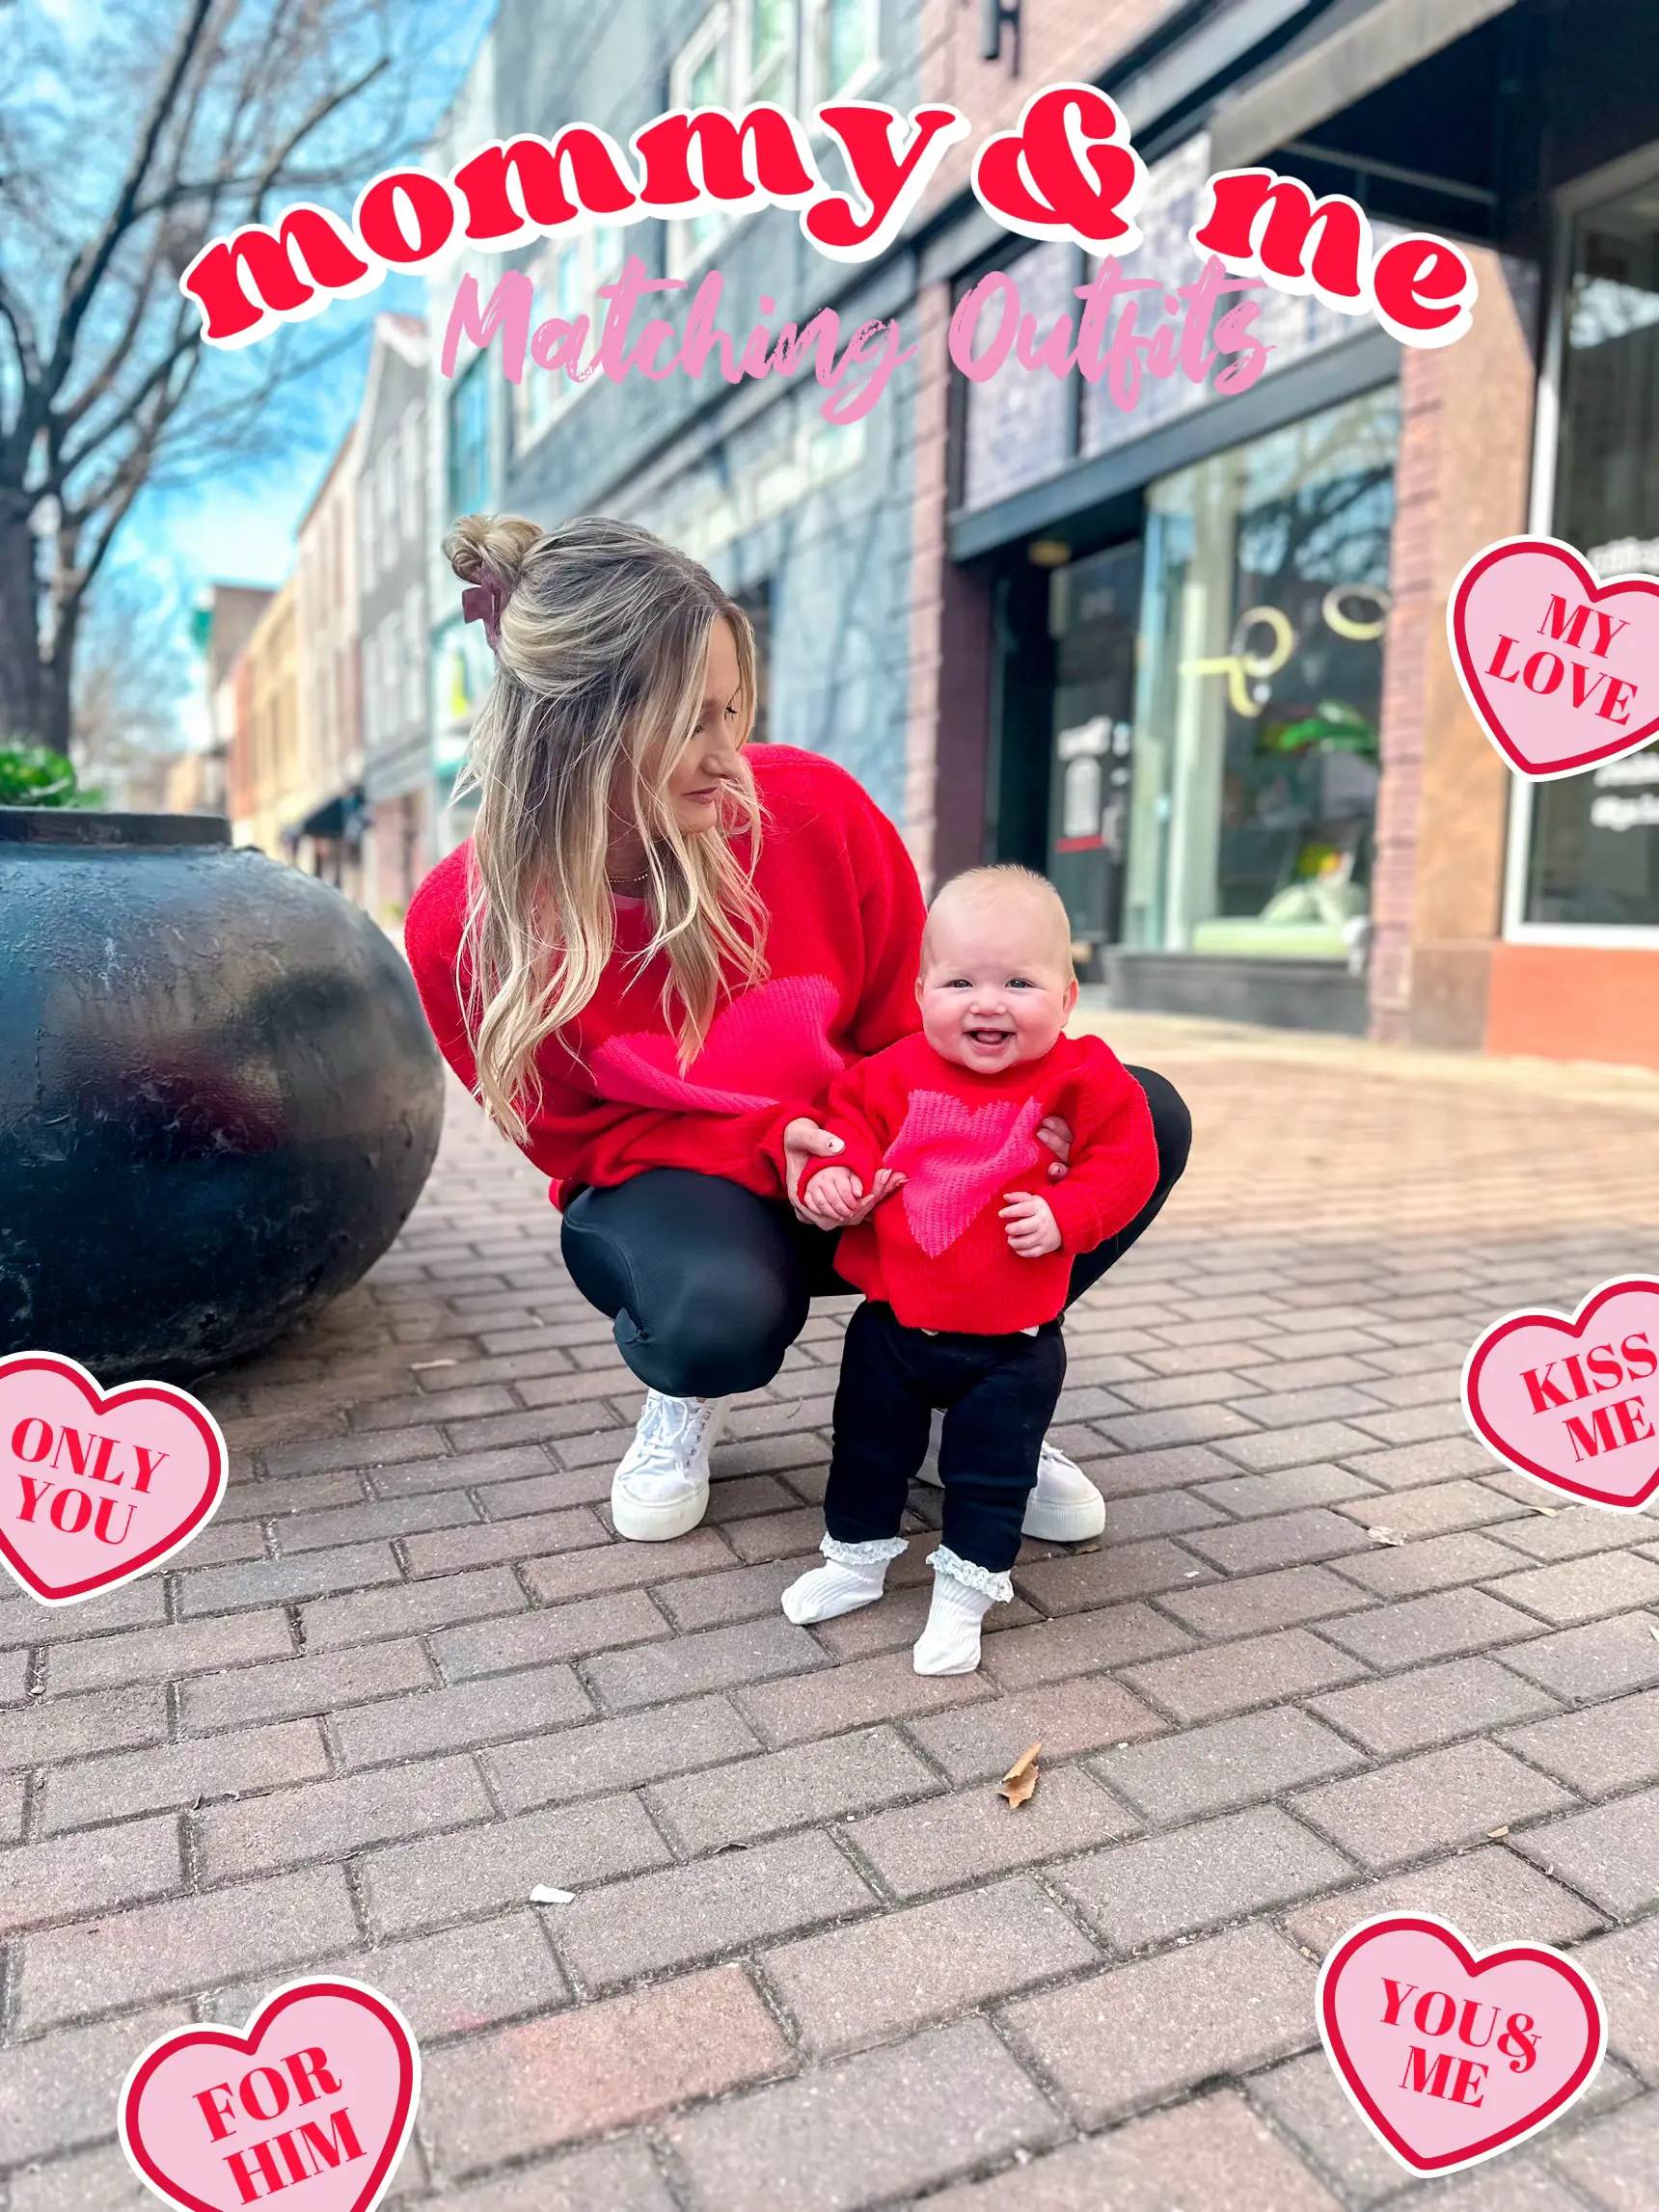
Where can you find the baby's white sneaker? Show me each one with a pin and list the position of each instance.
(963, 1594)
(856, 1576)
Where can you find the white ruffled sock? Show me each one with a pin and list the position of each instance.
(963, 1594)
(855, 1575)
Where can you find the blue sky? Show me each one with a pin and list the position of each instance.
(239, 527)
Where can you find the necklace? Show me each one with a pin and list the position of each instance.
(630, 882)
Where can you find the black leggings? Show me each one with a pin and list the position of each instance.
(709, 1284)
(998, 1394)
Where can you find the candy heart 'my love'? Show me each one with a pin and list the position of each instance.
(1561, 671)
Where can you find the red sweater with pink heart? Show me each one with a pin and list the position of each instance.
(844, 922)
(936, 1251)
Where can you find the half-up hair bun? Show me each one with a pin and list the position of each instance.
(489, 548)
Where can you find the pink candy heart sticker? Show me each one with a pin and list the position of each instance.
(320, 2088)
(1451, 2055)
(1575, 1403)
(1561, 671)
(96, 1486)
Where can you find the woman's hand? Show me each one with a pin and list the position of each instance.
(1056, 1134)
(804, 1140)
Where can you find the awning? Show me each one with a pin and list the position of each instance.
(1322, 79)
(340, 816)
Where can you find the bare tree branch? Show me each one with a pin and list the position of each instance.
(116, 168)
(89, 268)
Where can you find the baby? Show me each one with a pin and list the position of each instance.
(966, 1257)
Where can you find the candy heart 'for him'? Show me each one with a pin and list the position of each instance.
(1448, 2054)
(1575, 1403)
(98, 1486)
(1561, 671)
(320, 2089)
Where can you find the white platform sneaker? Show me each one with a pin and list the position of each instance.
(1064, 1508)
(662, 1487)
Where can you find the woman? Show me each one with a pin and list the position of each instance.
(653, 955)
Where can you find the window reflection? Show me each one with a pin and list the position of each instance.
(1593, 857)
(1256, 762)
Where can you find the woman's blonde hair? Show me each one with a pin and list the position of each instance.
(604, 636)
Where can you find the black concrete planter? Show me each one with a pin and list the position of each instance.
(219, 1098)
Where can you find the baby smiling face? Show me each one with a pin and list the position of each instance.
(997, 984)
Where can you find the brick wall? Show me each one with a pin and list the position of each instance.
(1464, 465)
(1059, 39)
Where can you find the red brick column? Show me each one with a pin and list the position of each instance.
(1464, 464)
(1404, 687)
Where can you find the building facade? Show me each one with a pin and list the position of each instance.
(324, 832)
(806, 522)
(265, 762)
(1190, 657)
(1182, 646)
(223, 624)
(392, 530)
(468, 419)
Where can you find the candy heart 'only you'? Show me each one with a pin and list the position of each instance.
(99, 1486)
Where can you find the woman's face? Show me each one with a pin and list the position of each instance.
(709, 759)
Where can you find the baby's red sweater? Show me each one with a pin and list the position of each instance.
(936, 1251)
(844, 921)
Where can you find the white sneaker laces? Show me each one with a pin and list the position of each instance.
(669, 1432)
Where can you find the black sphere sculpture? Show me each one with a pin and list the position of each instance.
(219, 1098)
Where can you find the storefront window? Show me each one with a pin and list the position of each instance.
(1594, 852)
(1255, 763)
(1093, 606)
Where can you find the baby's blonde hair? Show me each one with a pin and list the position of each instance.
(983, 888)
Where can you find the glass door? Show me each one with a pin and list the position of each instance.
(1094, 612)
(1256, 764)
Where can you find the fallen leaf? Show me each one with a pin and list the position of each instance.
(1020, 1779)
(1385, 1537)
(1550, 1510)
(1092, 1545)
(420, 1366)
(1496, 1835)
(1653, 1628)
(542, 1895)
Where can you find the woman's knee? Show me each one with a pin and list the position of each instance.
(699, 1277)
(722, 1326)
(1171, 1122)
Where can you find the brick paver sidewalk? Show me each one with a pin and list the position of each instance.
(813, 1961)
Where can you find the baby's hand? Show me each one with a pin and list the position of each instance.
(833, 1197)
(1032, 1229)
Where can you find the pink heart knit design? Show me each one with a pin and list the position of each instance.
(770, 1045)
(958, 1158)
